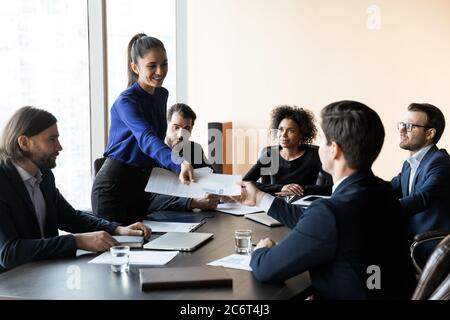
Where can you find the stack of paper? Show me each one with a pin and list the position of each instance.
(166, 182)
(264, 218)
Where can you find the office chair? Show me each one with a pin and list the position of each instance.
(98, 163)
(434, 280)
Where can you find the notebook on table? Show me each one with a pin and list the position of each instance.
(131, 241)
(306, 201)
(180, 241)
(264, 218)
(170, 278)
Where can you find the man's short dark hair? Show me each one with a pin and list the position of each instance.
(184, 110)
(27, 121)
(435, 118)
(357, 129)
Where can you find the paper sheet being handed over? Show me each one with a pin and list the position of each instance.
(166, 182)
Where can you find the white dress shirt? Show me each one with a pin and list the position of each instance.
(337, 183)
(414, 162)
(37, 198)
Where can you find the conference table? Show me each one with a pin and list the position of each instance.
(55, 278)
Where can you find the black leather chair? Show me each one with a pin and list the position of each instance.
(434, 279)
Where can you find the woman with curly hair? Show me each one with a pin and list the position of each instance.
(292, 167)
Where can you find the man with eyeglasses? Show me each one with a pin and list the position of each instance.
(423, 186)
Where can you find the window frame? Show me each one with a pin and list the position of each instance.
(98, 70)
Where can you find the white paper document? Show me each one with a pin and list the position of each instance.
(234, 261)
(237, 209)
(166, 182)
(81, 252)
(159, 226)
(148, 258)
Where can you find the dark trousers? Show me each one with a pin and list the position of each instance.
(118, 192)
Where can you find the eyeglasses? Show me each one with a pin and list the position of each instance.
(409, 126)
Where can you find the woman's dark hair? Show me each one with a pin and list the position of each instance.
(435, 118)
(184, 110)
(27, 121)
(137, 48)
(357, 129)
(303, 118)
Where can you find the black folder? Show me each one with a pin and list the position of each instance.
(185, 277)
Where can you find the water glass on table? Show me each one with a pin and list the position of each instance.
(120, 259)
(243, 241)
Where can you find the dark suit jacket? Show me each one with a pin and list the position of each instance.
(428, 205)
(279, 172)
(337, 239)
(20, 236)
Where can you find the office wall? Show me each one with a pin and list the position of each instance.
(246, 56)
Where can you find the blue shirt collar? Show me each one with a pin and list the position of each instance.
(418, 156)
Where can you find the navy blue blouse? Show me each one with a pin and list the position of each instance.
(138, 128)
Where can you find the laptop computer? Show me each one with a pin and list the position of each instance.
(180, 241)
(264, 218)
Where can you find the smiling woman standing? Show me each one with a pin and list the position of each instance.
(290, 168)
(136, 136)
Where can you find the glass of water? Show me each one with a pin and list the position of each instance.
(120, 259)
(243, 241)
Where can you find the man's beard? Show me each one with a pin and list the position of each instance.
(410, 146)
(44, 162)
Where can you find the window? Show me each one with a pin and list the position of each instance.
(44, 63)
(44, 58)
(155, 18)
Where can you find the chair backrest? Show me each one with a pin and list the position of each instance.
(421, 239)
(434, 281)
(324, 178)
(98, 163)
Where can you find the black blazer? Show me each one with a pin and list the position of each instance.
(20, 236)
(279, 172)
(339, 238)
